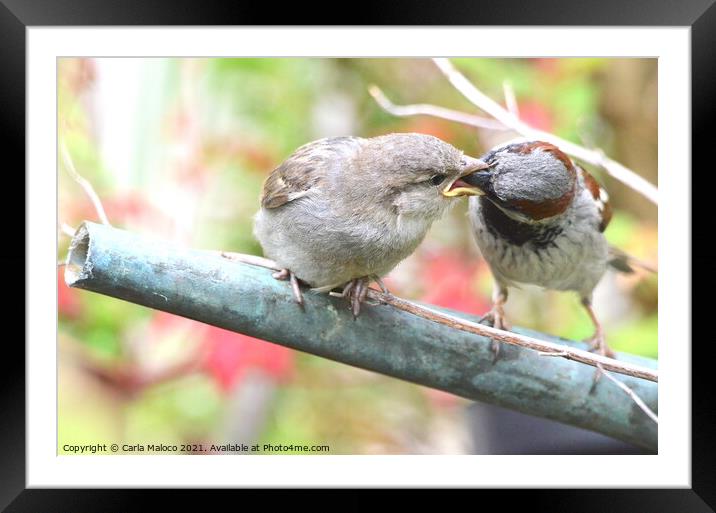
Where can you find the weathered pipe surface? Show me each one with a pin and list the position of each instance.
(204, 286)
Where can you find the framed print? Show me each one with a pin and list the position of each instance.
(359, 256)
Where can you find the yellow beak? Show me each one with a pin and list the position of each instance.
(457, 187)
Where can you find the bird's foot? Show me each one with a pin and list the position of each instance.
(496, 319)
(381, 284)
(285, 274)
(598, 344)
(356, 292)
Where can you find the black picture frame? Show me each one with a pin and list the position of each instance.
(17, 15)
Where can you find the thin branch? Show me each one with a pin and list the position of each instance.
(510, 100)
(67, 230)
(433, 110)
(638, 400)
(89, 190)
(251, 260)
(513, 338)
(545, 348)
(560, 353)
(594, 157)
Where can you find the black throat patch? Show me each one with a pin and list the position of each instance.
(501, 225)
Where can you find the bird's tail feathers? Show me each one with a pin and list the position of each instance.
(626, 263)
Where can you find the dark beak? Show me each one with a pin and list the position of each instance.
(471, 179)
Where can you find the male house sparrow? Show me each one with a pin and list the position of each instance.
(540, 220)
(344, 210)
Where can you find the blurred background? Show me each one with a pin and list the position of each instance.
(179, 148)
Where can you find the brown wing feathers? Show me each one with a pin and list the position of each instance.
(291, 180)
(601, 198)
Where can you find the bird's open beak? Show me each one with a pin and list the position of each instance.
(462, 185)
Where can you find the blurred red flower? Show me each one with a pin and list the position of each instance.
(449, 281)
(549, 66)
(536, 115)
(231, 355)
(227, 356)
(68, 303)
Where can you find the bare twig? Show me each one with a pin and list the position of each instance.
(515, 339)
(89, 190)
(433, 110)
(594, 157)
(544, 347)
(67, 230)
(251, 260)
(510, 100)
(558, 353)
(638, 400)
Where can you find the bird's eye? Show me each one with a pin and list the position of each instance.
(437, 179)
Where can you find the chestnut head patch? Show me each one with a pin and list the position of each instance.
(535, 179)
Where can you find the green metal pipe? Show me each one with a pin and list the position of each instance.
(204, 286)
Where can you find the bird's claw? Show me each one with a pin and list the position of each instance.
(359, 291)
(495, 318)
(356, 291)
(380, 283)
(495, 347)
(598, 344)
(488, 319)
(281, 275)
(285, 274)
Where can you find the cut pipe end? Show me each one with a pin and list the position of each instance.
(78, 266)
